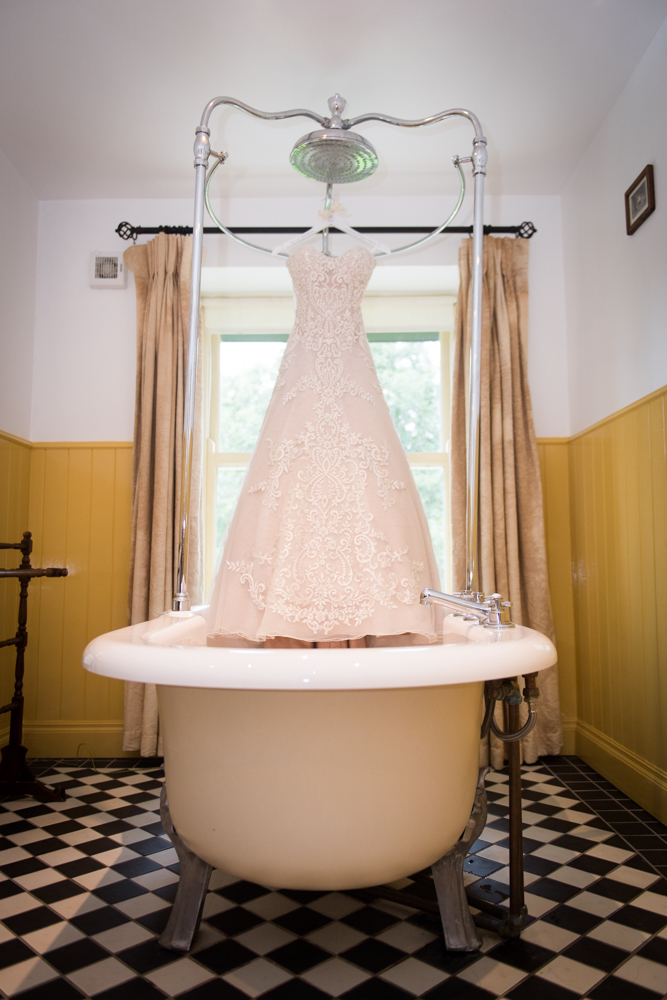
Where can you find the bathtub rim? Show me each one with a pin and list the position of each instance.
(482, 655)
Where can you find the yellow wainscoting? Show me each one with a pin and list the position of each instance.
(79, 511)
(618, 506)
(14, 502)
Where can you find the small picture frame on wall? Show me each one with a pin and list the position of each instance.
(639, 200)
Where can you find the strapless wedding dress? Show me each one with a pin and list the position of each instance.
(329, 540)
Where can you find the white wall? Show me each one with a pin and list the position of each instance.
(85, 338)
(616, 284)
(18, 260)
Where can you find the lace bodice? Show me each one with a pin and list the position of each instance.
(329, 539)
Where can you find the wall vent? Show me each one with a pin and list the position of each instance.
(107, 269)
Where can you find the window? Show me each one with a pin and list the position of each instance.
(414, 371)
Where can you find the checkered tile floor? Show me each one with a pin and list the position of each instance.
(86, 886)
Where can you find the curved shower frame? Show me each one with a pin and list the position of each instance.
(478, 159)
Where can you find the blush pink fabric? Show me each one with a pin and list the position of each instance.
(329, 540)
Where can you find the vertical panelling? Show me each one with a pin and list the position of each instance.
(14, 498)
(76, 499)
(618, 490)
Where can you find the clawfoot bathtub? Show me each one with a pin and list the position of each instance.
(321, 768)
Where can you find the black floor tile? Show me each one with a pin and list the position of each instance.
(296, 989)
(235, 921)
(372, 955)
(136, 866)
(612, 889)
(155, 921)
(614, 988)
(656, 950)
(301, 921)
(596, 866)
(372, 989)
(369, 920)
(58, 890)
(82, 866)
(135, 989)
(521, 954)
(119, 891)
(76, 955)
(482, 866)
(539, 866)
(25, 867)
(146, 956)
(572, 920)
(224, 956)
(642, 920)
(215, 989)
(596, 953)
(9, 888)
(242, 892)
(152, 845)
(298, 956)
(56, 989)
(31, 920)
(303, 896)
(549, 888)
(453, 989)
(14, 951)
(434, 953)
(99, 920)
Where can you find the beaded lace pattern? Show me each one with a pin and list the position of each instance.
(323, 473)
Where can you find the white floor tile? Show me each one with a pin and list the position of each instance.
(271, 906)
(139, 906)
(265, 938)
(616, 854)
(220, 879)
(406, 936)
(650, 975)
(157, 879)
(541, 833)
(560, 855)
(495, 853)
(394, 909)
(116, 856)
(574, 876)
(548, 935)
(25, 975)
(571, 975)
(10, 817)
(336, 937)
(205, 937)
(13, 854)
(129, 837)
(142, 819)
(492, 836)
(215, 904)
(80, 836)
(537, 906)
(653, 901)
(53, 936)
(35, 880)
(415, 976)
(75, 906)
(168, 857)
(590, 902)
(633, 876)
(496, 977)
(21, 902)
(503, 875)
(257, 977)
(179, 976)
(101, 976)
(336, 905)
(335, 976)
(591, 833)
(618, 935)
(28, 837)
(123, 936)
(61, 857)
(101, 876)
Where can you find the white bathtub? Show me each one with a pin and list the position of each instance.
(319, 768)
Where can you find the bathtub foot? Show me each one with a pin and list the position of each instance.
(192, 888)
(457, 923)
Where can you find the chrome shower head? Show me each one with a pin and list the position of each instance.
(333, 154)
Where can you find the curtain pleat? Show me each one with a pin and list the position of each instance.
(161, 270)
(511, 545)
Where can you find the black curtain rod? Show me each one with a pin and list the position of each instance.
(127, 231)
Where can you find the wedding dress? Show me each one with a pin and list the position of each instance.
(329, 540)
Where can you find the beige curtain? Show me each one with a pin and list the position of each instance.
(161, 271)
(512, 553)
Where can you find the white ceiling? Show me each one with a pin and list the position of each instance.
(100, 99)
